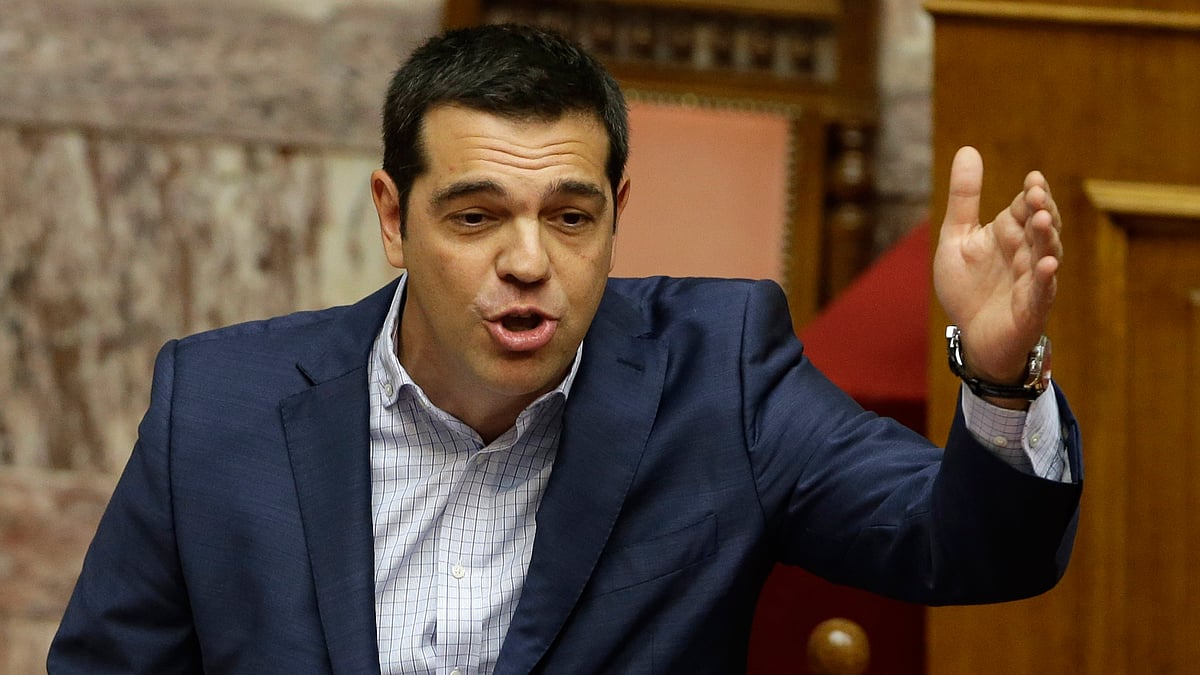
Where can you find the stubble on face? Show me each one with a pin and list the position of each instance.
(508, 248)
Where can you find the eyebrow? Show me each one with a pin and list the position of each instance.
(465, 188)
(577, 188)
(485, 186)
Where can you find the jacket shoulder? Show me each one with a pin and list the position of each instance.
(264, 328)
(662, 292)
(362, 318)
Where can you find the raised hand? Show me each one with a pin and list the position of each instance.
(997, 281)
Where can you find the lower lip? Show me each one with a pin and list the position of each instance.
(523, 340)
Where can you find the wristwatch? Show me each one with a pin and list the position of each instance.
(1037, 370)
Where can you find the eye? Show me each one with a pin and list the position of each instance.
(471, 219)
(574, 219)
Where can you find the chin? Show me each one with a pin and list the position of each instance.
(524, 377)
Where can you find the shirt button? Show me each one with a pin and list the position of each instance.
(1000, 441)
(459, 572)
(456, 671)
(387, 388)
(1033, 440)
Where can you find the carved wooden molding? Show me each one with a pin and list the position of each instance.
(713, 39)
(1147, 207)
(814, 8)
(1132, 208)
(1127, 209)
(695, 100)
(1073, 14)
(818, 52)
(1148, 199)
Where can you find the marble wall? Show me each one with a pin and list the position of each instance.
(167, 167)
(903, 150)
(164, 168)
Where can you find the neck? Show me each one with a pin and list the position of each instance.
(489, 413)
(491, 426)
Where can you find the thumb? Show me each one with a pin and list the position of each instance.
(966, 184)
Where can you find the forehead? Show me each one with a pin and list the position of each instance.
(458, 139)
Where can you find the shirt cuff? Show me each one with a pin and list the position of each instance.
(1028, 440)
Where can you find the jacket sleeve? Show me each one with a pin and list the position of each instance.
(862, 500)
(129, 611)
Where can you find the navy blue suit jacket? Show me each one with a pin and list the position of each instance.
(699, 447)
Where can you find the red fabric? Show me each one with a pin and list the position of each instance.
(871, 341)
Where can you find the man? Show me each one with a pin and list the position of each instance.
(506, 462)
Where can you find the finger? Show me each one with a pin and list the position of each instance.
(1046, 250)
(1036, 179)
(966, 184)
(1051, 206)
(1046, 258)
(1043, 235)
(1021, 208)
(1042, 292)
(1045, 280)
(1032, 198)
(1039, 197)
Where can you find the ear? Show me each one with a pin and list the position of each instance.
(388, 207)
(622, 196)
(622, 199)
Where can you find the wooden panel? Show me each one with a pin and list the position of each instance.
(1164, 544)
(1112, 115)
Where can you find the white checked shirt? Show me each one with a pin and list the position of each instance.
(454, 520)
(1031, 441)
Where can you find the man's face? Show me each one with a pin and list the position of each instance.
(509, 242)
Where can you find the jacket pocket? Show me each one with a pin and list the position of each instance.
(643, 561)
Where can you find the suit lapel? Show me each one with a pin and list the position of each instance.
(605, 427)
(326, 427)
(609, 413)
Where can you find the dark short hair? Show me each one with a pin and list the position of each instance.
(515, 71)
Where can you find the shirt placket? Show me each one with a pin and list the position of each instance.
(463, 539)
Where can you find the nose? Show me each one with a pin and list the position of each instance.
(523, 257)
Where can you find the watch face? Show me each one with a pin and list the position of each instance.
(1045, 374)
(1038, 376)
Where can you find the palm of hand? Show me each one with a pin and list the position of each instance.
(997, 281)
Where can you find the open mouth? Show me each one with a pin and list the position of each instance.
(519, 323)
(523, 330)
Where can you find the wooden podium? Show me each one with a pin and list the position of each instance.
(1104, 97)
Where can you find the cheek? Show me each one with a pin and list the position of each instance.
(588, 277)
(594, 256)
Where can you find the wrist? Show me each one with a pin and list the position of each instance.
(1014, 395)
